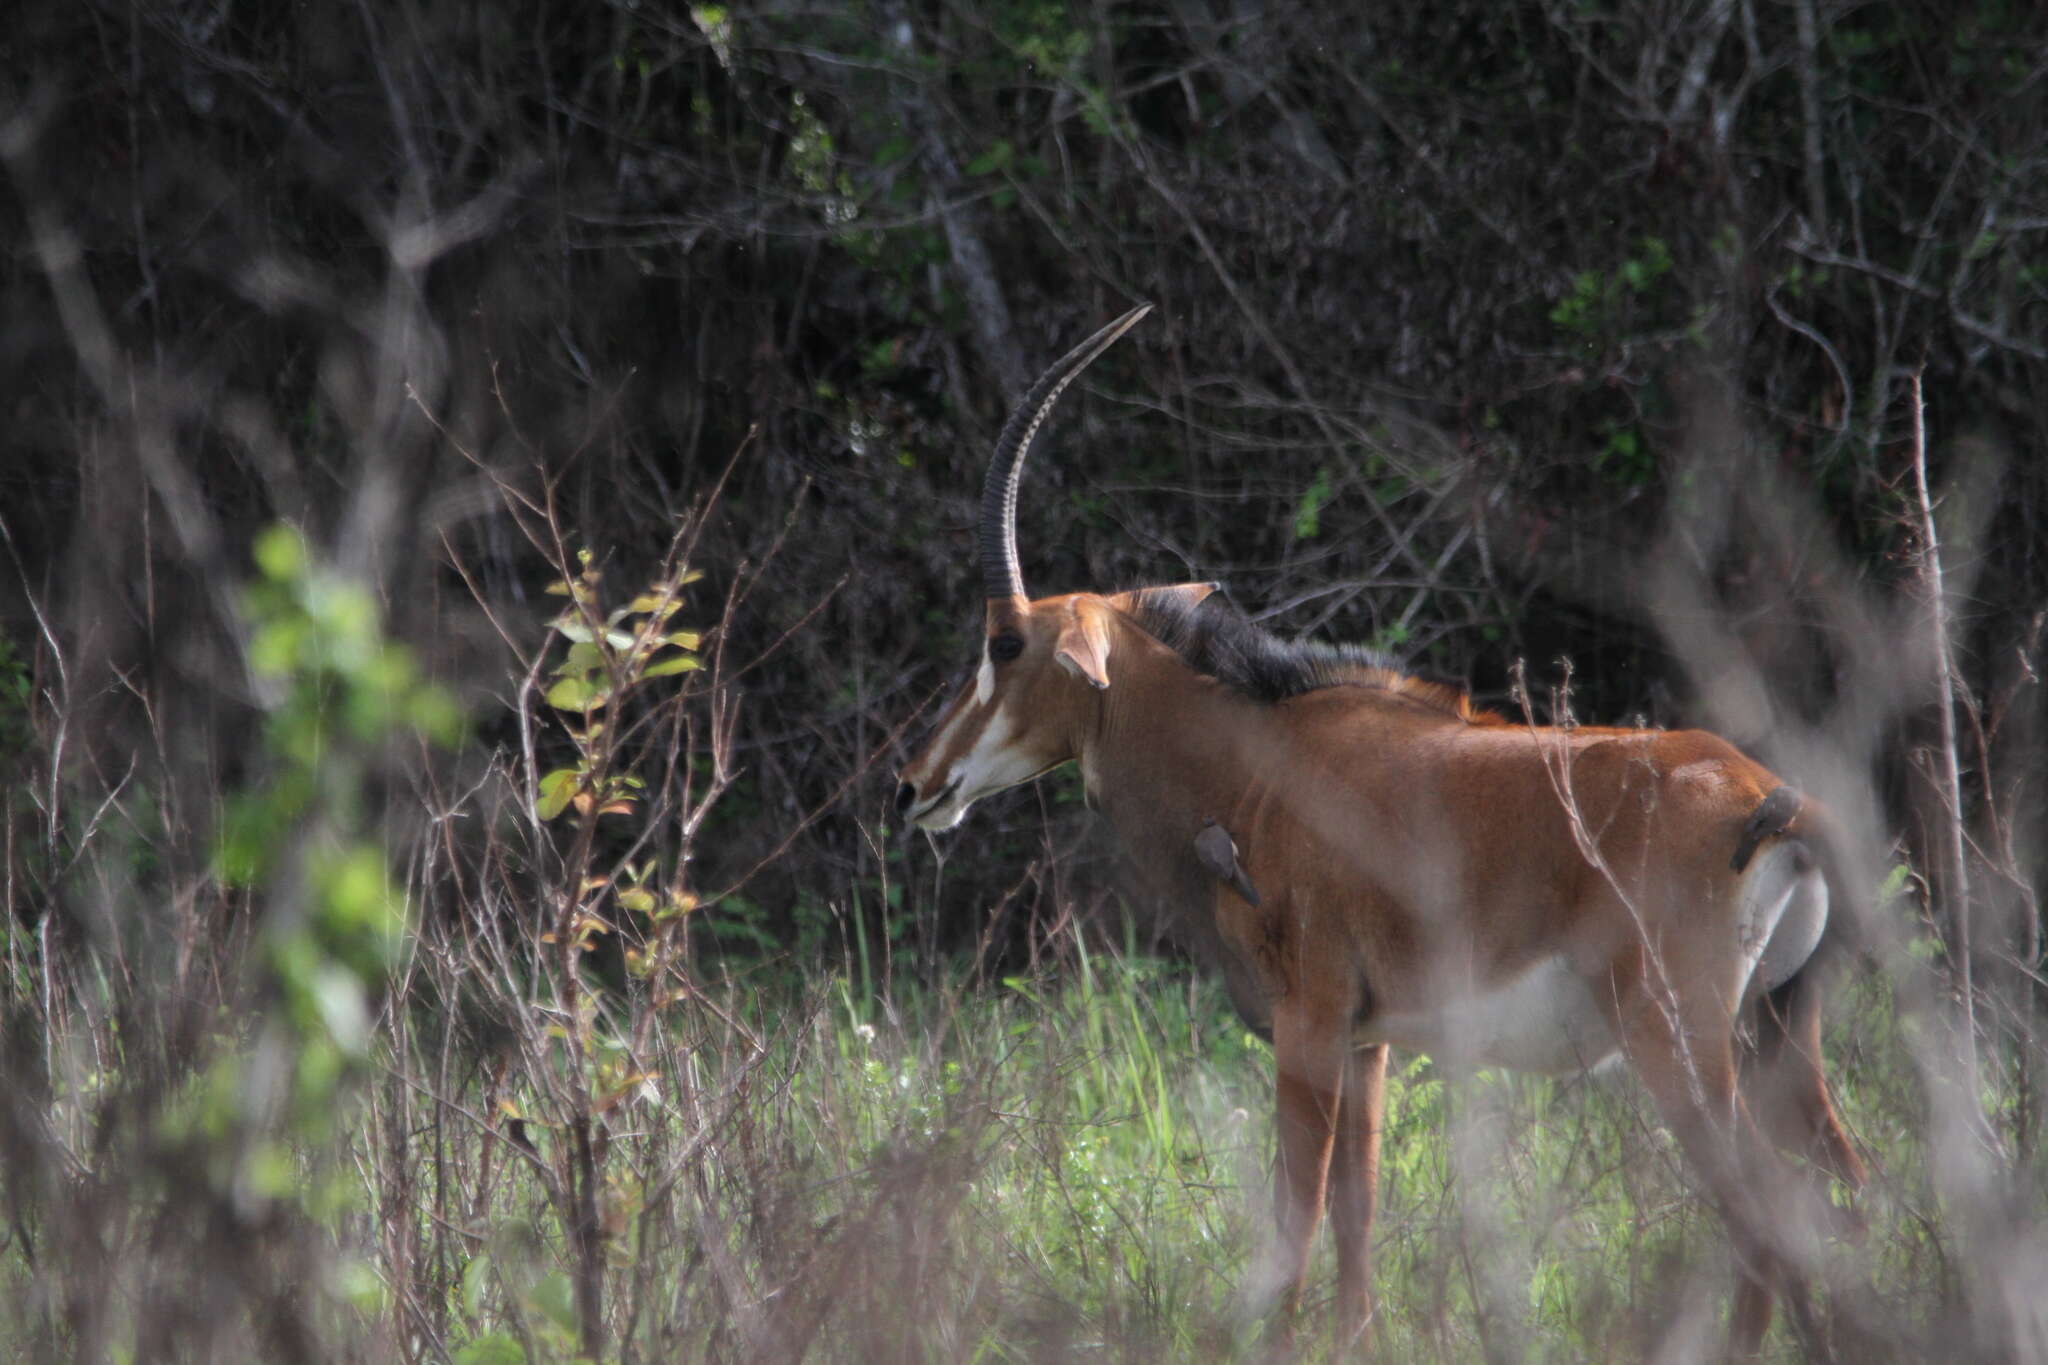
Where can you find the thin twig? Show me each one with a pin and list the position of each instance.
(1955, 869)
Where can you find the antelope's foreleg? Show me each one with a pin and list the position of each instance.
(1309, 1050)
(1354, 1184)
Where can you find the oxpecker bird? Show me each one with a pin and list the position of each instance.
(1217, 852)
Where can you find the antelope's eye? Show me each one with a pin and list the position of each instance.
(1005, 647)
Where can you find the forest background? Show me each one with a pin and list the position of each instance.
(486, 499)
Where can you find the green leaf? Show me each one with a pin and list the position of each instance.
(994, 159)
(476, 1280)
(557, 789)
(673, 663)
(581, 693)
(280, 551)
(554, 1298)
(492, 1348)
(1308, 513)
(361, 1287)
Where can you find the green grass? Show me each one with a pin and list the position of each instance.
(1075, 1166)
(1072, 1166)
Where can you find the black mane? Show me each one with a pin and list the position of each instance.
(1217, 639)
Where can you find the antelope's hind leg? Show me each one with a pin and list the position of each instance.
(1785, 1093)
(1683, 1048)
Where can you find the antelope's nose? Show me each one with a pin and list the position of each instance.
(906, 796)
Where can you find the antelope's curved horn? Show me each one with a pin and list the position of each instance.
(999, 571)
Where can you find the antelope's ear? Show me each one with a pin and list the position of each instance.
(1083, 644)
(1189, 595)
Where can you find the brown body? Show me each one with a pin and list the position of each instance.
(1487, 892)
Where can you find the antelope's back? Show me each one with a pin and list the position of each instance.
(1532, 828)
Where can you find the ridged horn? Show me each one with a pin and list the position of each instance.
(1000, 573)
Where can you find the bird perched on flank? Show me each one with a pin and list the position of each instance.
(1217, 852)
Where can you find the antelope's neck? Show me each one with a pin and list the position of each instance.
(1168, 750)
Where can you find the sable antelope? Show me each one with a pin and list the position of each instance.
(1383, 864)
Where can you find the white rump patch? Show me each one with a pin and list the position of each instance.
(1784, 909)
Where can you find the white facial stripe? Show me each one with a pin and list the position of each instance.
(943, 741)
(985, 680)
(992, 764)
(986, 753)
(988, 766)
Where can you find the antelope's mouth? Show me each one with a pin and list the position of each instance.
(920, 814)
